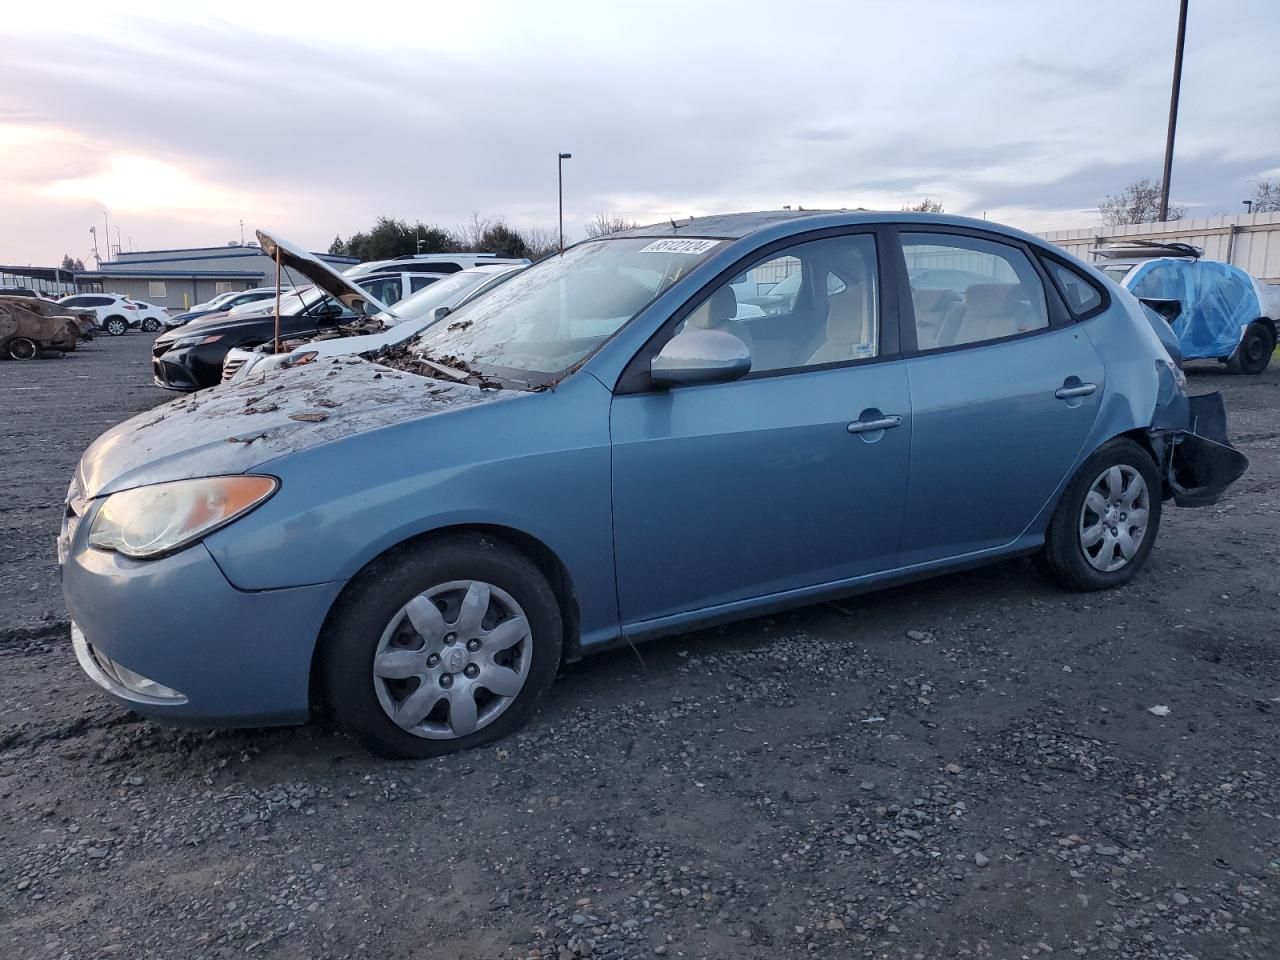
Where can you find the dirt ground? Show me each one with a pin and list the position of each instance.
(966, 767)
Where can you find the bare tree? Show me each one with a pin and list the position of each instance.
(1266, 197)
(924, 206)
(1139, 202)
(603, 224)
(541, 241)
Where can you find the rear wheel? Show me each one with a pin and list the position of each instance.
(150, 325)
(1106, 522)
(1254, 352)
(441, 646)
(116, 326)
(21, 348)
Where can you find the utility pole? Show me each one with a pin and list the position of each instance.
(106, 233)
(560, 186)
(96, 258)
(1173, 111)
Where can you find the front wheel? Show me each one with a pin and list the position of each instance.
(1106, 522)
(1254, 352)
(440, 647)
(21, 348)
(116, 326)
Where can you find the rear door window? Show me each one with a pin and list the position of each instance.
(969, 290)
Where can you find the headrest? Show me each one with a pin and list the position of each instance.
(721, 306)
(847, 314)
(991, 298)
(934, 301)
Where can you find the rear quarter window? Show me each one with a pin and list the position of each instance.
(1079, 293)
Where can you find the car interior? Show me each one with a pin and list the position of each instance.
(965, 290)
(831, 319)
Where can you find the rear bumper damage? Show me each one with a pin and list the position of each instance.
(1197, 459)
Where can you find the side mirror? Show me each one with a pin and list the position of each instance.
(439, 313)
(328, 312)
(700, 356)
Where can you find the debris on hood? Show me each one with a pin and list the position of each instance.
(399, 356)
(233, 428)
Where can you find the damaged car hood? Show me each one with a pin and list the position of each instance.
(321, 274)
(232, 429)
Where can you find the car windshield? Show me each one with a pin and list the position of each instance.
(1118, 272)
(439, 294)
(539, 324)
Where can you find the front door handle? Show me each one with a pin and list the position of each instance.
(880, 423)
(1079, 390)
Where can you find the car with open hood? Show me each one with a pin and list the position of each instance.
(601, 451)
(190, 357)
(383, 331)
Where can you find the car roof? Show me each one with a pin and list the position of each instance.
(735, 226)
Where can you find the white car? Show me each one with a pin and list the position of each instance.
(151, 316)
(410, 317)
(116, 314)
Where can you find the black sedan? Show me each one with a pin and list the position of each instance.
(190, 357)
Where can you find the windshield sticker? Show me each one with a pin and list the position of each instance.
(691, 247)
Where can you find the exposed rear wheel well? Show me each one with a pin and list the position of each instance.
(548, 564)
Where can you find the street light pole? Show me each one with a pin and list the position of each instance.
(1173, 111)
(560, 159)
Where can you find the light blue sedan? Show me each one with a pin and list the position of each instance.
(606, 449)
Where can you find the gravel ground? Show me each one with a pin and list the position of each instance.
(965, 767)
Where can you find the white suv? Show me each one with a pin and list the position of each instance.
(430, 263)
(116, 314)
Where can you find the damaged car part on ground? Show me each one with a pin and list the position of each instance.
(602, 450)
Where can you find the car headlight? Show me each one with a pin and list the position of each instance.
(152, 521)
(194, 341)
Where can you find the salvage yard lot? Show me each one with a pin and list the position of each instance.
(963, 767)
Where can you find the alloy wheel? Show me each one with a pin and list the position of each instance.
(116, 327)
(452, 659)
(20, 348)
(1113, 518)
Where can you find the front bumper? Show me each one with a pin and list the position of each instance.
(228, 657)
(172, 376)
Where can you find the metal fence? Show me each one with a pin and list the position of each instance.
(1250, 241)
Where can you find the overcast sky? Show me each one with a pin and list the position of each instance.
(315, 118)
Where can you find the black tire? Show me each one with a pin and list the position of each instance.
(352, 635)
(150, 325)
(1064, 551)
(1254, 353)
(116, 326)
(21, 348)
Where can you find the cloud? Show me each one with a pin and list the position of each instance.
(317, 122)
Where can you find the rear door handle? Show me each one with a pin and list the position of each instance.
(883, 423)
(1082, 390)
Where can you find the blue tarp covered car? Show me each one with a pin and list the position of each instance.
(1217, 310)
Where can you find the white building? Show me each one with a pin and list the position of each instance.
(179, 278)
